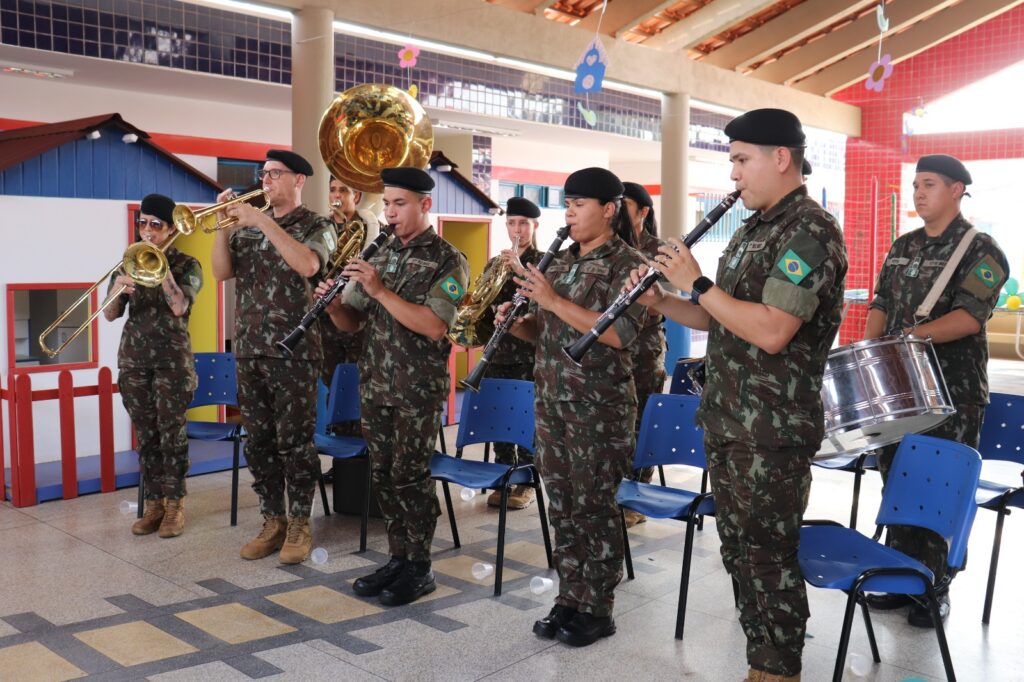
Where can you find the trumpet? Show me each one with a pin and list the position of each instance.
(206, 219)
(576, 350)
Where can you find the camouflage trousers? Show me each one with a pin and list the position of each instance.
(760, 497)
(156, 400)
(649, 380)
(401, 441)
(583, 453)
(507, 453)
(278, 402)
(924, 545)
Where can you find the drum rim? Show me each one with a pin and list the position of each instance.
(879, 341)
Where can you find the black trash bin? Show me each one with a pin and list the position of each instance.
(350, 487)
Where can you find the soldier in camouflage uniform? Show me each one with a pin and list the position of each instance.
(157, 375)
(956, 326)
(406, 296)
(585, 415)
(649, 349)
(771, 317)
(514, 357)
(273, 260)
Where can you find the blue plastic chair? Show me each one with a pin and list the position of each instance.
(502, 412)
(343, 406)
(1002, 441)
(931, 485)
(682, 382)
(668, 435)
(218, 385)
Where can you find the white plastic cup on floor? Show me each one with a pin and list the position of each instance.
(318, 556)
(858, 665)
(482, 571)
(540, 585)
(127, 507)
(467, 494)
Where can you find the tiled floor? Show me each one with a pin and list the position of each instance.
(79, 595)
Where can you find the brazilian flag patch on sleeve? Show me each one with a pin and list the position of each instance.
(793, 266)
(986, 274)
(452, 287)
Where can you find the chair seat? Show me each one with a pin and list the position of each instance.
(210, 430)
(846, 462)
(660, 502)
(833, 557)
(339, 447)
(470, 473)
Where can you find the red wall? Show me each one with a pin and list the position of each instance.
(873, 160)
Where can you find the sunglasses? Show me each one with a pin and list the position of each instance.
(155, 224)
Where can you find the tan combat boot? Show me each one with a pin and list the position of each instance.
(152, 515)
(633, 518)
(173, 524)
(521, 497)
(269, 540)
(755, 675)
(298, 541)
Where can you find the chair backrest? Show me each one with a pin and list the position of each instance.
(931, 485)
(682, 382)
(1002, 433)
(343, 396)
(218, 384)
(502, 412)
(669, 434)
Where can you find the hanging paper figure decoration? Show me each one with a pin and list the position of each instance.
(590, 67)
(589, 116)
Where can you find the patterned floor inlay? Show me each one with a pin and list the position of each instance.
(324, 605)
(33, 661)
(234, 623)
(134, 643)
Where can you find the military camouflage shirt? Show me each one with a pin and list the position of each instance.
(912, 266)
(399, 366)
(153, 338)
(649, 350)
(591, 281)
(513, 351)
(791, 257)
(270, 297)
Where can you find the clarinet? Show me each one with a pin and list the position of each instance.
(519, 304)
(576, 350)
(287, 345)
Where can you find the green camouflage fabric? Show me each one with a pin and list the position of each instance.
(924, 545)
(339, 347)
(513, 351)
(760, 496)
(152, 337)
(592, 281)
(398, 366)
(649, 351)
(401, 440)
(156, 400)
(792, 258)
(278, 404)
(584, 450)
(912, 266)
(509, 453)
(270, 297)
(403, 382)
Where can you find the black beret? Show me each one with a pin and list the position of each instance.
(159, 205)
(776, 127)
(805, 168)
(594, 183)
(639, 194)
(522, 207)
(295, 163)
(950, 166)
(407, 177)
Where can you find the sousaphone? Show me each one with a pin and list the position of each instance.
(371, 127)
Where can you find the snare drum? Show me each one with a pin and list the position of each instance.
(876, 391)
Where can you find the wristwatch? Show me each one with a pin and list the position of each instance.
(700, 286)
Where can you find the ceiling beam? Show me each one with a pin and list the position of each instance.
(791, 27)
(709, 20)
(539, 9)
(852, 38)
(620, 16)
(643, 15)
(917, 39)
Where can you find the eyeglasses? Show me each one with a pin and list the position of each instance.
(274, 173)
(155, 224)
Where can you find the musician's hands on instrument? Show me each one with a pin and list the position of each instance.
(360, 271)
(248, 216)
(677, 264)
(651, 297)
(511, 259)
(536, 287)
(502, 312)
(321, 291)
(127, 282)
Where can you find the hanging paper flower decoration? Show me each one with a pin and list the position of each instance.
(407, 56)
(878, 72)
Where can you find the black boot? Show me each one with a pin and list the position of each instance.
(559, 616)
(921, 615)
(371, 585)
(888, 601)
(415, 581)
(584, 629)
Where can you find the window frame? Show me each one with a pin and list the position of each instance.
(92, 363)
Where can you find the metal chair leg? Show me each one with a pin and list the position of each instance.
(500, 563)
(627, 554)
(870, 629)
(544, 522)
(858, 474)
(940, 632)
(994, 563)
(661, 475)
(234, 482)
(703, 491)
(451, 513)
(684, 580)
(323, 494)
(844, 638)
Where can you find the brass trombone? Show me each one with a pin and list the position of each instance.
(147, 264)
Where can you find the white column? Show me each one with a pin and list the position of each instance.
(312, 91)
(675, 145)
